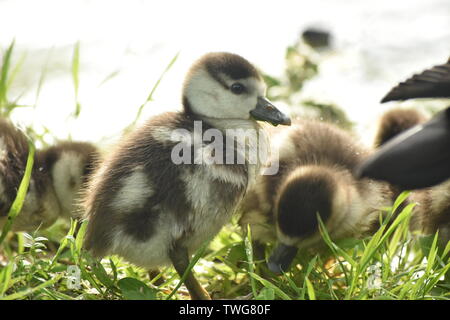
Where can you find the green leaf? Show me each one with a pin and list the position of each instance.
(400, 199)
(266, 294)
(26, 292)
(425, 244)
(133, 289)
(101, 274)
(5, 277)
(236, 254)
(80, 236)
(311, 293)
(270, 285)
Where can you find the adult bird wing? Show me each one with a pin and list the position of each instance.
(417, 158)
(431, 83)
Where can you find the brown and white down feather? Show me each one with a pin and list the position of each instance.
(58, 175)
(432, 210)
(141, 204)
(316, 161)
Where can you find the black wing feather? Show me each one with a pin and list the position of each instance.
(431, 83)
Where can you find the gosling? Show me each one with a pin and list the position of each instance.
(57, 177)
(431, 212)
(316, 161)
(153, 211)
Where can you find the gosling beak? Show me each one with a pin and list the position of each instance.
(417, 158)
(281, 258)
(266, 111)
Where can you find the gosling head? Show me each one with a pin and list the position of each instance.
(69, 164)
(307, 193)
(226, 86)
(396, 121)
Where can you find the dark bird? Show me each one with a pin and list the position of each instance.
(153, 210)
(419, 157)
(391, 124)
(316, 161)
(431, 212)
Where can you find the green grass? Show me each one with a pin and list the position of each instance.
(21, 194)
(8, 73)
(152, 91)
(392, 264)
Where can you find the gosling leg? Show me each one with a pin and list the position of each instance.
(180, 260)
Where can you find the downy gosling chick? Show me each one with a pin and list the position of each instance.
(391, 124)
(396, 121)
(150, 208)
(316, 161)
(432, 210)
(69, 164)
(419, 157)
(57, 177)
(41, 207)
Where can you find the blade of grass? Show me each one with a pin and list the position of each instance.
(311, 293)
(310, 267)
(109, 77)
(270, 285)
(337, 251)
(436, 278)
(400, 199)
(20, 243)
(15, 70)
(6, 62)
(191, 265)
(249, 254)
(381, 237)
(24, 293)
(16, 206)
(5, 278)
(432, 255)
(65, 242)
(152, 91)
(75, 77)
(76, 252)
(42, 79)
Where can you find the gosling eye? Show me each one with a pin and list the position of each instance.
(237, 88)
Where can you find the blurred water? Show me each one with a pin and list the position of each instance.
(376, 44)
